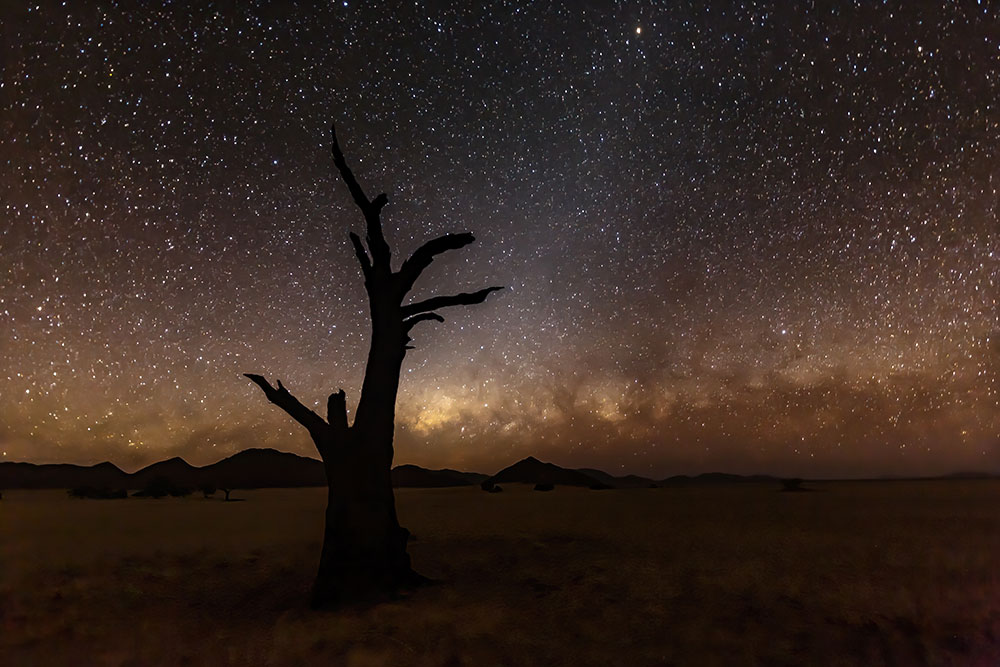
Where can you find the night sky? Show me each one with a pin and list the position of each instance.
(761, 239)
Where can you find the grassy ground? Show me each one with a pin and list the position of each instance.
(855, 573)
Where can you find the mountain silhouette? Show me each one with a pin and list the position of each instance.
(414, 476)
(624, 482)
(176, 469)
(472, 477)
(270, 468)
(533, 471)
(248, 469)
(60, 476)
(264, 468)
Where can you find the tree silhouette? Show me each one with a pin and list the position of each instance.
(364, 548)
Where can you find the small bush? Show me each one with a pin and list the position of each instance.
(792, 484)
(158, 487)
(545, 486)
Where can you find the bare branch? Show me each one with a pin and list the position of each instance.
(372, 209)
(462, 299)
(424, 255)
(336, 411)
(359, 250)
(284, 400)
(345, 173)
(410, 322)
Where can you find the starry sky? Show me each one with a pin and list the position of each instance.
(754, 237)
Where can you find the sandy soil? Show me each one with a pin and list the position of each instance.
(854, 573)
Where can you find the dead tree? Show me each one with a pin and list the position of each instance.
(364, 548)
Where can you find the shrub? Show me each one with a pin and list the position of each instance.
(792, 484)
(159, 486)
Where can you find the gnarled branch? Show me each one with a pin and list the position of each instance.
(461, 299)
(424, 255)
(372, 209)
(284, 400)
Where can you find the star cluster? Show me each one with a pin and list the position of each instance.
(754, 238)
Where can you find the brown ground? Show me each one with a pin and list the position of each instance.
(855, 573)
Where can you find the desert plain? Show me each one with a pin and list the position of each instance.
(873, 573)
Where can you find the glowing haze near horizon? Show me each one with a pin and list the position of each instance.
(755, 239)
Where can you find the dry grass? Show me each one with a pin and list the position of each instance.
(858, 573)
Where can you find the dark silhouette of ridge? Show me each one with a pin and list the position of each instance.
(257, 468)
(61, 476)
(248, 469)
(533, 471)
(472, 477)
(623, 482)
(408, 475)
(176, 469)
(264, 468)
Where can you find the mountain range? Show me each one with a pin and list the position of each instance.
(249, 469)
(269, 468)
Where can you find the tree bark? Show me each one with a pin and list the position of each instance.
(364, 555)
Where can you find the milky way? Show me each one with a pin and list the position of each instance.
(755, 239)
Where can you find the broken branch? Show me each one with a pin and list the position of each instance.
(336, 411)
(462, 299)
(284, 400)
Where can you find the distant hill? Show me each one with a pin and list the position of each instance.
(60, 476)
(269, 468)
(533, 471)
(415, 476)
(176, 469)
(624, 482)
(473, 477)
(264, 468)
(249, 469)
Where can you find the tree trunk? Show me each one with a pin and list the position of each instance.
(364, 554)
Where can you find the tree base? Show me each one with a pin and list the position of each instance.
(361, 588)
